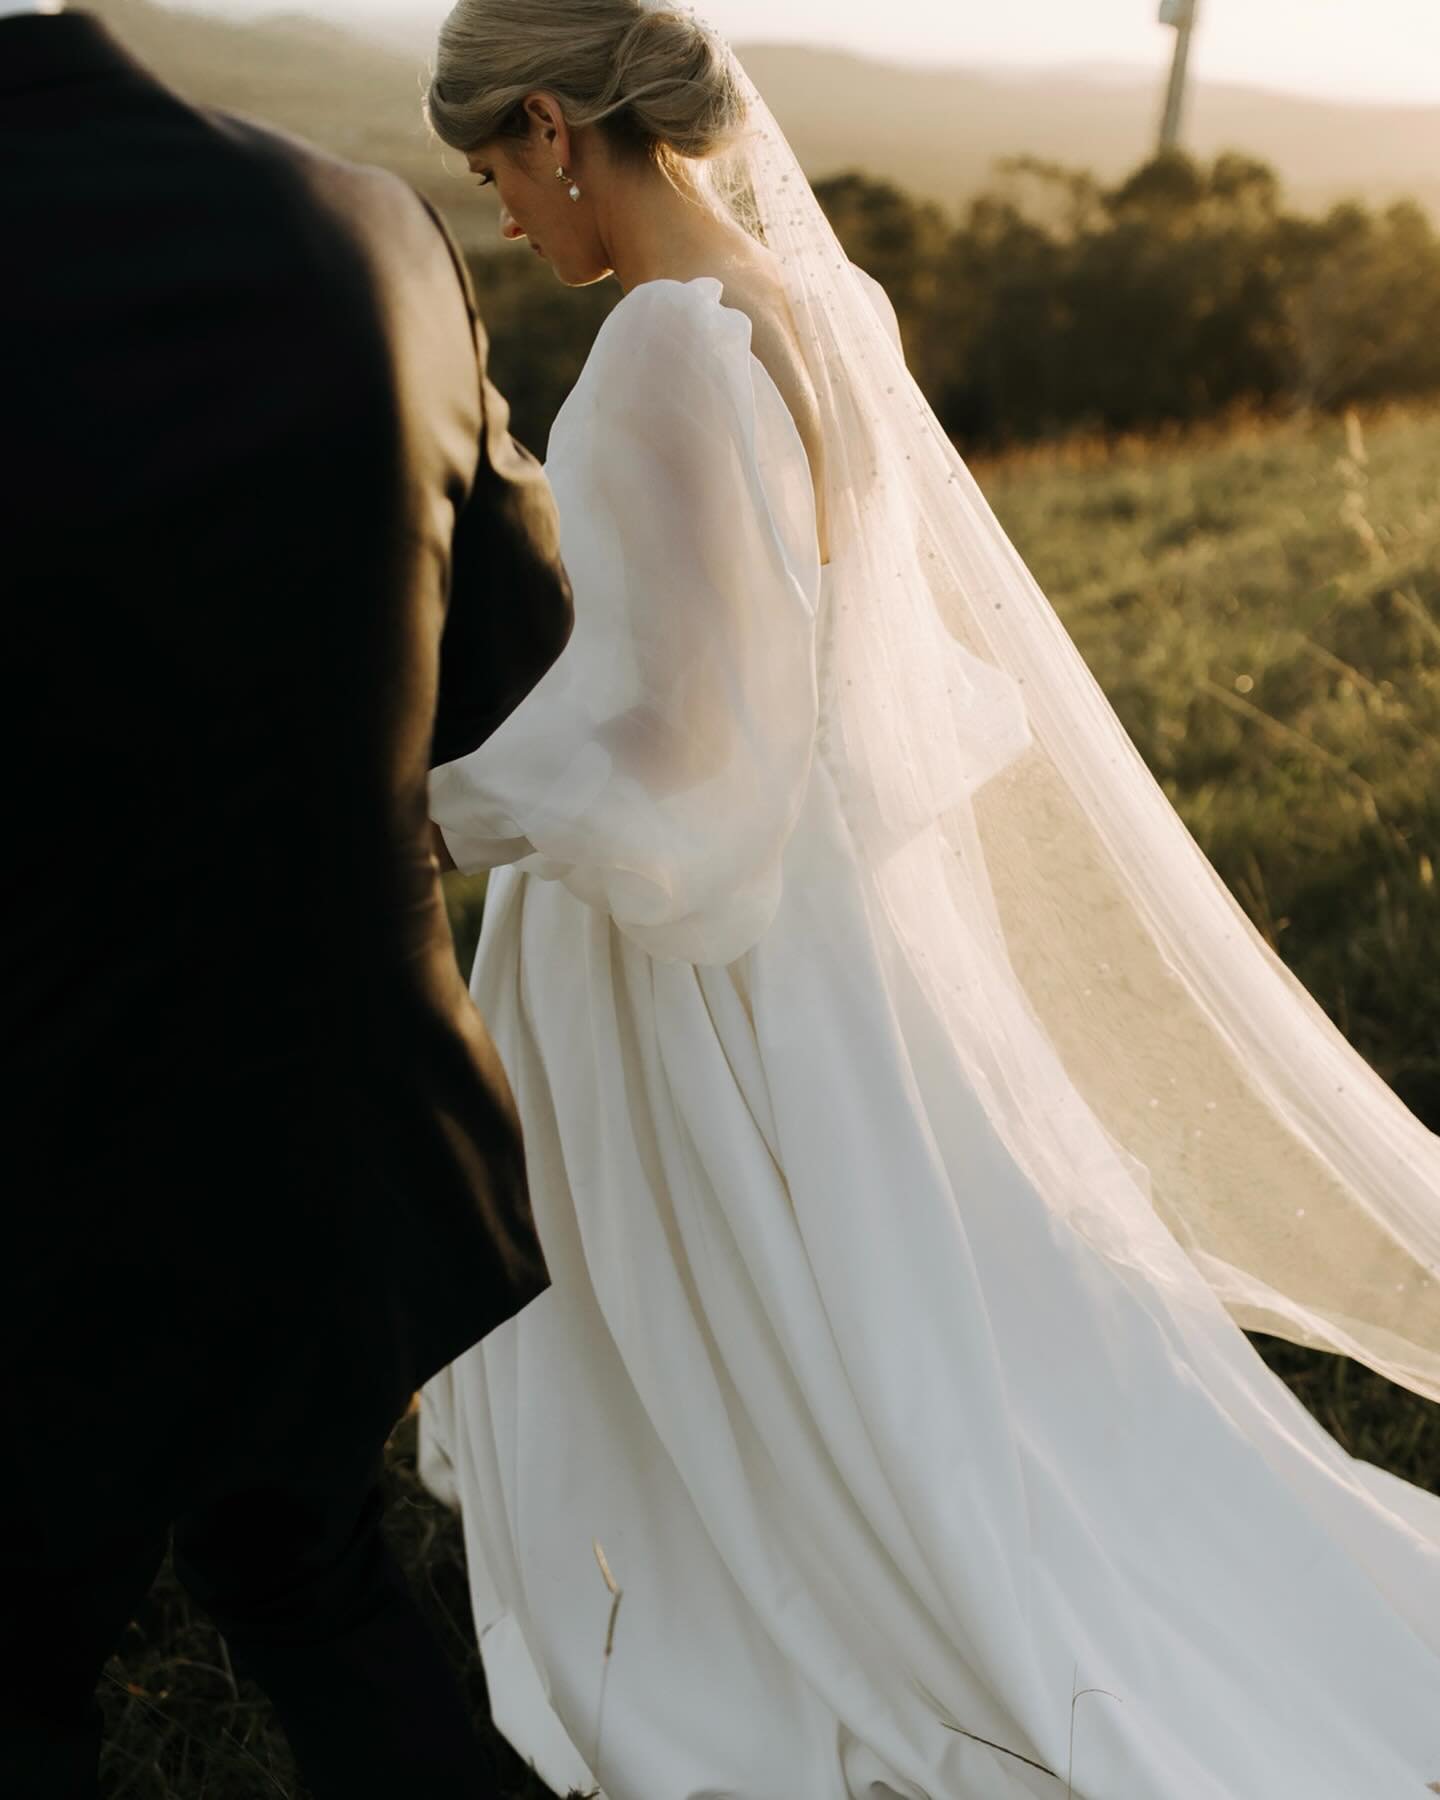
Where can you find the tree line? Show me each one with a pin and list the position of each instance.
(1059, 305)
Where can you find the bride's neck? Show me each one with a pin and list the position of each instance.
(658, 228)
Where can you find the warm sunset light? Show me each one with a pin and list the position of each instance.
(1381, 50)
(730, 903)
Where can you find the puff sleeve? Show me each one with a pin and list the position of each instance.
(658, 768)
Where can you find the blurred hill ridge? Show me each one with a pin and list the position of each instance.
(935, 132)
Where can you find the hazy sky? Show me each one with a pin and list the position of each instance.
(1366, 49)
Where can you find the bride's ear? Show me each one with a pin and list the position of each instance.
(548, 128)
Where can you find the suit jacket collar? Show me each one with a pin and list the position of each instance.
(41, 50)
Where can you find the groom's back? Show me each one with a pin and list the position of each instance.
(241, 386)
(204, 333)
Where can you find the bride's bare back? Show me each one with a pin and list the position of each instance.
(753, 286)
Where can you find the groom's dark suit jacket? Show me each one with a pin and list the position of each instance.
(261, 1170)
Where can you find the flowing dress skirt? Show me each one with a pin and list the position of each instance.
(886, 1459)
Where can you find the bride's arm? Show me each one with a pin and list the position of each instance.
(659, 767)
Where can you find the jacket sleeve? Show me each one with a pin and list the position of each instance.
(509, 615)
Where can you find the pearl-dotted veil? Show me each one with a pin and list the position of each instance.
(1147, 1059)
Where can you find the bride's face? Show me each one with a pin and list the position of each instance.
(535, 200)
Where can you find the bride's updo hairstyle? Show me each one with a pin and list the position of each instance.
(655, 79)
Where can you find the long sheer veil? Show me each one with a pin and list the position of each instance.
(1147, 1059)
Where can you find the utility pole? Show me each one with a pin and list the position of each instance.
(1182, 15)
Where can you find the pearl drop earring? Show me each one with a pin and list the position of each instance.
(560, 175)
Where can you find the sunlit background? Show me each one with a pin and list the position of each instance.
(1357, 49)
(1202, 393)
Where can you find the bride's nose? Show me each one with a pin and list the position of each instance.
(509, 230)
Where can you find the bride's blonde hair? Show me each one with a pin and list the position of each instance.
(653, 77)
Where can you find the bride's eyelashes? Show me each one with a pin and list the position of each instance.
(485, 179)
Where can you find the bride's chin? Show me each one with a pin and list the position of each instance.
(573, 278)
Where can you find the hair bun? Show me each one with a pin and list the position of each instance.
(652, 74)
(676, 80)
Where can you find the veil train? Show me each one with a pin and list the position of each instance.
(1147, 1059)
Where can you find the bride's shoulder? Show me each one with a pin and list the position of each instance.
(654, 345)
(668, 321)
(667, 339)
(708, 326)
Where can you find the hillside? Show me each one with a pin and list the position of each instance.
(356, 97)
(937, 132)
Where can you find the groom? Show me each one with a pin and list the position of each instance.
(261, 1168)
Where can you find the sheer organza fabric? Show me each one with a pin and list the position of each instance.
(1140, 1049)
(665, 756)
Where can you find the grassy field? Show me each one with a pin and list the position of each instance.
(1263, 607)
(1263, 610)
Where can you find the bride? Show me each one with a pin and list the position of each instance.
(913, 1120)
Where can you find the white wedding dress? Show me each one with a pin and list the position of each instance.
(885, 1455)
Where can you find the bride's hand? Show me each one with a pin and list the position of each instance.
(440, 850)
